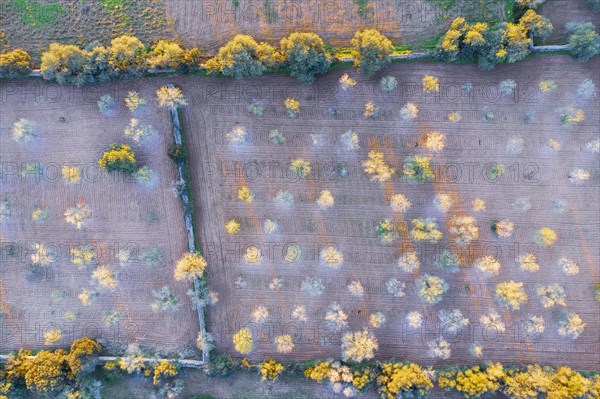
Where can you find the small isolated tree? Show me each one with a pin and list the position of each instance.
(439, 348)
(164, 300)
(325, 200)
(371, 110)
(189, 267)
(371, 51)
(118, 158)
(571, 325)
(243, 56)
(388, 83)
(377, 167)
(336, 317)
(292, 106)
(133, 101)
(417, 169)
(409, 262)
(359, 346)
(511, 294)
(463, 229)
(350, 140)
(253, 255)
(106, 104)
(105, 277)
(488, 264)
(170, 97)
(306, 55)
(425, 230)
(430, 84)
(528, 262)
(447, 261)
(301, 167)
(332, 257)
(346, 82)
(400, 203)
(435, 141)
(584, 42)
(545, 236)
(507, 87)
(78, 215)
(23, 131)
(232, 226)
(452, 320)
(15, 64)
(409, 112)
(313, 286)
(552, 295)
(431, 288)
(242, 341)
(587, 89)
(284, 343)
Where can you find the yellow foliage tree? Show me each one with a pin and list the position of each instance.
(190, 266)
(398, 379)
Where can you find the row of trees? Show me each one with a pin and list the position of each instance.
(304, 55)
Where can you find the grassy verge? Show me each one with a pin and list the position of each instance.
(38, 14)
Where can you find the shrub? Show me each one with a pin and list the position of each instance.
(270, 370)
(388, 83)
(511, 294)
(503, 228)
(377, 167)
(242, 341)
(189, 266)
(414, 319)
(306, 55)
(106, 104)
(552, 295)
(284, 198)
(23, 131)
(584, 43)
(386, 231)
(292, 106)
(571, 325)
(301, 167)
(452, 320)
(538, 25)
(68, 64)
(474, 382)
(430, 84)
(371, 51)
(260, 314)
(232, 226)
(133, 101)
(417, 169)
(399, 380)
(507, 87)
(447, 261)
(84, 256)
(336, 317)
(586, 90)
(256, 108)
(78, 215)
(253, 255)
(439, 348)
(371, 110)
(528, 262)
(144, 176)
(126, 54)
(331, 257)
(425, 230)
(409, 262)
(400, 203)
(313, 286)
(138, 132)
(346, 82)
(170, 97)
(430, 288)
(243, 56)
(118, 158)
(325, 200)
(463, 229)
(545, 236)
(359, 345)
(105, 277)
(276, 137)
(221, 364)
(488, 264)
(409, 112)
(164, 300)
(238, 135)
(163, 368)
(170, 55)
(435, 141)
(15, 64)
(284, 343)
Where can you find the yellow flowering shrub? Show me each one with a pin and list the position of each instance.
(118, 158)
(40, 215)
(83, 256)
(232, 226)
(52, 337)
(377, 167)
(301, 167)
(474, 382)
(318, 372)
(397, 379)
(270, 370)
(190, 266)
(71, 174)
(566, 383)
(525, 384)
(292, 106)
(164, 367)
(244, 194)
(511, 294)
(430, 84)
(105, 277)
(545, 236)
(358, 346)
(242, 341)
(360, 379)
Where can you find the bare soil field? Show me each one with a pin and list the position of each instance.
(559, 12)
(137, 231)
(211, 23)
(534, 192)
(33, 24)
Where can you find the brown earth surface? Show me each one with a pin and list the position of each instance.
(559, 12)
(124, 216)
(218, 169)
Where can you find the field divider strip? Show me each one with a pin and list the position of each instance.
(188, 213)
